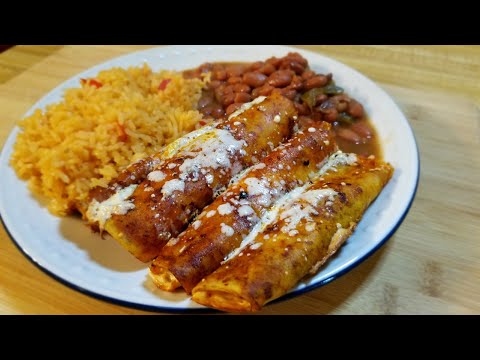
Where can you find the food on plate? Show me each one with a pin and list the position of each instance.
(236, 179)
(314, 94)
(306, 228)
(144, 216)
(85, 140)
(222, 225)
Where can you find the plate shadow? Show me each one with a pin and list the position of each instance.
(105, 252)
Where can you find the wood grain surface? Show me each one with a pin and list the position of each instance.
(432, 263)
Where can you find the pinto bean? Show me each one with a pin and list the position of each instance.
(241, 87)
(355, 109)
(219, 91)
(297, 83)
(217, 111)
(280, 78)
(349, 135)
(256, 65)
(292, 65)
(267, 69)
(295, 56)
(330, 114)
(228, 89)
(234, 70)
(315, 82)
(302, 109)
(362, 128)
(242, 97)
(234, 80)
(254, 79)
(215, 83)
(304, 122)
(274, 61)
(308, 74)
(228, 99)
(320, 98)
(289, 93)
(341, 106)
(342, 97)
(219, 75)
(264, 90)
(232, 107)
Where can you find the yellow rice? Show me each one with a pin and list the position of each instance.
(80, 143)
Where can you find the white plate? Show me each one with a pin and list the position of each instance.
(67, 250)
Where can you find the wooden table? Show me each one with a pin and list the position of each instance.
(432, 263)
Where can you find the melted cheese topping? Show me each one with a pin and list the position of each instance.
(303, 208)
(170, 150)
(268, 217)
(338, 158)
(294, 206)
(215, 152)
(260, 188)
(117, 204)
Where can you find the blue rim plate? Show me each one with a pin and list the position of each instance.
(67, 250)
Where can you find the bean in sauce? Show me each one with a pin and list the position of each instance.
(315, 96)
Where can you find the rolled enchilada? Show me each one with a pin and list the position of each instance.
(222, 225)
(303, 230)
(161, 199)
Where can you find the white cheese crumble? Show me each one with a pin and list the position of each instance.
(173, 185)
(311, 129)
(209, 178)
(196, 224)
(225, 209)
(211, 213)
(156, 176)
(227, 230)
(170, 150)
(117, 204)
(245, 210)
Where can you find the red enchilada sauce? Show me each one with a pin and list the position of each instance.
(316, 96)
